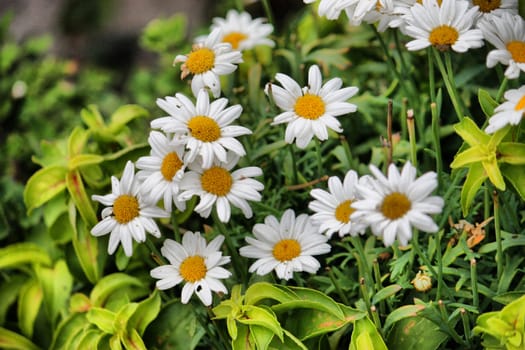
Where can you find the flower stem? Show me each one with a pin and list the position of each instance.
(155, 254)
(294, 163)
(268, 11)
(474, 282)
(319, 157)
(365, 270)
(466, 326)
(236, 259)
(412, 137)
(437, 141)
(497, 229)
(501, 89)
(448, 79)
(439, 261)
(337, 286)
(175, 224)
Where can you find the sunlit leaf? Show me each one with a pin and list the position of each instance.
(15, 341)
(18, 254)
(29, 302)
(44, 185)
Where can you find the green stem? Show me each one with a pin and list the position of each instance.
(466, 326)
(319, 157)
(451, 331)
(431, 76)
(337, 286)
(366, 295)
(268, 11)
(240, 5)
(155, 254)
(437, 141)
(474, 282)
(348, 152)
(439, 261)
(176, 229)
(294, 163)
(449, 84)
(412, 137)
(497, 228)
(501, 89)
(236, 259)
(356, 242)
(379, 286)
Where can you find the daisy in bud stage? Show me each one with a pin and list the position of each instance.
(333, 209)
(507, 33)
(218, 185)
(196, 264)
(162, 170)
(287, 246)
(207, 61)
(311, 110)
(393, 205)
(127, 216)
(445, 26)
(509, 112)
(204, 127)
(243, 32)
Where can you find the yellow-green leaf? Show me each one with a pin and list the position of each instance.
(122, 116)
(475, 177)
(469, 131)
(14, 341)
(471, 155)
(511, 153)
(494, 174)
(77, 141)
(81, 160)
(76, 189)
(102, 318)
(29, 302)
(44, 185)
(111, 284)
(17, 254)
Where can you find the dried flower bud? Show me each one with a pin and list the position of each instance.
(422, 282)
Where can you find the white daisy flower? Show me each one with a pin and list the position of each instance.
(313, 109)
(207, 61)
(392, 205)
(243, 32)
(357, 10)
(287, 246)
(331, 9)
(495, 7)
(389, 14)
(333, 209)
(196, 264)
(509, 112)
(444, 27)
(204, 127)
(217, 185)
(128, 216)
(507, 34)
(162, 171)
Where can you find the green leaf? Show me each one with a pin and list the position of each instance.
(386, 292)
(402, 313)
(111, 284)
(92, 117)
(29, 302)
(415, 333)
(44, 185)
(493, 172)
(122, 317)
(90, 339)
(17, 254)
(81, 160)
(262, 336)
(14, 341)
(319, 323)
(123, 115)
(87, 248)
(79, 303)
(254, 83)
(102, 318)
(487, 103)
(511, 153)
(176, 327)
(133, 341)
(76, 189)
(515, 174)
(56, 284)
(54, 153)
(472, 155)
(9, 290)
(366, 336)
(470, 133)
(261, 316)
(154, 35)
(475, 178)
(76, 142)
(146, 312)
(243, 340)
(263, 290)
(507, 297)
(312, 299)
(68, 331)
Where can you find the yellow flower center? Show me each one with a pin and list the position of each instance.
(517, 50)
(193, 268)
(443, 37)
(125, 208)
(521, 104)
(204, 128)
(217, 181)
(395, 205)
(309, 107)
(170, 165)
(487, 5)
(200, 60)
(234, 38)
(286, 250)
(343, 211)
